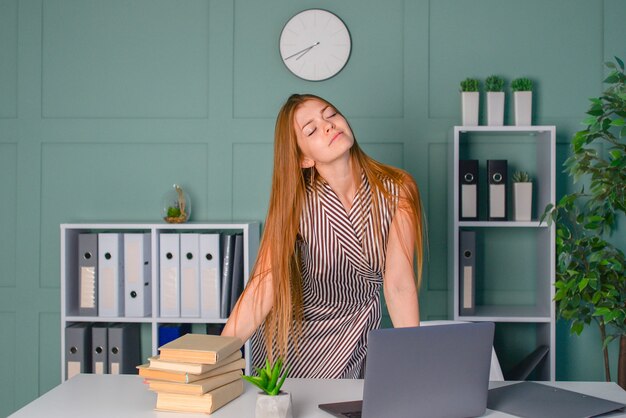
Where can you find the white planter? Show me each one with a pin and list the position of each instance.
(523, 108)
(495, 108)
(278, 406)
(469, 107)
(522, 201)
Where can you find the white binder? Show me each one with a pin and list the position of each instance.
(169, 275)
(189, 275)
(111, 273)
(137, 275)
(210, 275)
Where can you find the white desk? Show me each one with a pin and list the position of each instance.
(105, 396)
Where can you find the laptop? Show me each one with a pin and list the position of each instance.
(530, 399)
(432, 372)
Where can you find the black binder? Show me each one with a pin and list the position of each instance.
(99, 349)
(468, 190)
(77, 349)
(467, 272)
(498, 178)
(124, 348)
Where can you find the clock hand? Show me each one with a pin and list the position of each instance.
(302, 52)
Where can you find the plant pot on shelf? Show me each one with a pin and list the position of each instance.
(495, 108)
(277, 406)
(469, 107)
(522, 201)
(523, 107)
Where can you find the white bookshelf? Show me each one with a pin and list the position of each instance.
(528, 299)
(69, 274)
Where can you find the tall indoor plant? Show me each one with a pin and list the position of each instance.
(591, 270)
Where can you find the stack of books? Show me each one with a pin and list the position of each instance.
(196, 373)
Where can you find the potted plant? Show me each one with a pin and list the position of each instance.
(591, 269)
(469, 101)
(522, 196)
(495, 100)
(176, 205)
(272, 402)
(523, 100)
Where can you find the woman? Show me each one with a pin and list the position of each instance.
(339, 226)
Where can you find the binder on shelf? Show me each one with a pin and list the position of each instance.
(227, 273)
(100, 349)
(77, 349)
(137, 275)
(210, 275)
(237, 282)
(169, 332)
(169, 272)
(468, 190)
(190, 275)
(88, 274)
(497, 172)
(214, 329)
(124, 348)
(467, 272)
(524, 368)
(111, 275)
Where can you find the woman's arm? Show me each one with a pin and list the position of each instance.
(399, 281)
(253, 305)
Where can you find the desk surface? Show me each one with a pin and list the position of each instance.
(100, 396)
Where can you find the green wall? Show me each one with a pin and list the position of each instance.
(105, 104)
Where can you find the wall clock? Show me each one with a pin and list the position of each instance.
(315, 44)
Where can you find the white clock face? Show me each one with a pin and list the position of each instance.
(315, 44)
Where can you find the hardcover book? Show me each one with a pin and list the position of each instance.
(200, 348)
(150, 372)
(207, 403)
(199, 387)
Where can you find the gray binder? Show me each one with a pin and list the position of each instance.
(227, 273)
(190, 275)
(124, 348)
(99, 349)
(137, 275)
(110, 275)
(467, 272)
(77, 349)
(88, 274)
(237, 283)
(169, 275)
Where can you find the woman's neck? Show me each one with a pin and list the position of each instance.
(340, 178)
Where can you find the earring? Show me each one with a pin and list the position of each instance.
(312, 174)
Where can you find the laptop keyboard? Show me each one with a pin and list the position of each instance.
(356, 414)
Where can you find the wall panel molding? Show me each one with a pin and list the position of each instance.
(8, 209)
(119, 59)
(8, 59)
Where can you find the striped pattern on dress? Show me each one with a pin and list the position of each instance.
(342, 273)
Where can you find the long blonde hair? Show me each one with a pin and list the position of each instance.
(277, 253)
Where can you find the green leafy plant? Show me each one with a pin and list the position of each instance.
(521, 177)
(494, 83)
(470, 85)
(522, 84)
(268, 377)
(591, 270)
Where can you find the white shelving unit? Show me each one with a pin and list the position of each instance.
(69, 272)
(516, 267)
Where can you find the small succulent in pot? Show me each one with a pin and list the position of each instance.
(270, 378)
(521, 177)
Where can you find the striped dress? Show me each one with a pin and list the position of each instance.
(342, 273)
